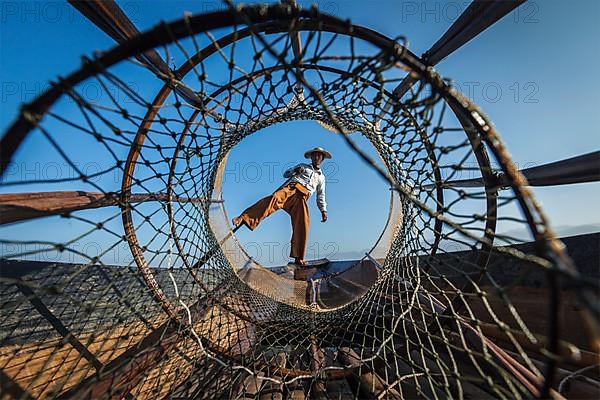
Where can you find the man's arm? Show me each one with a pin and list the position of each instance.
(321, 203)
(289, 172)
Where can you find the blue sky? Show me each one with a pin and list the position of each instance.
(534, 74)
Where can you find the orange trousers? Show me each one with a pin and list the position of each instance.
(292, 198)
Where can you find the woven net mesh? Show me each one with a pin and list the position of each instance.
(123, 278)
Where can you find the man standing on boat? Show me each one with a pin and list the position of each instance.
(292, 196)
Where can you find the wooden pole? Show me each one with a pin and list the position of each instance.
(317, 358)
(24, 206)
(367, 384)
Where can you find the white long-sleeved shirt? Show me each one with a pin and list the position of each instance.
(313, 179)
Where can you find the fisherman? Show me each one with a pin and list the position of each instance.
(303, 180)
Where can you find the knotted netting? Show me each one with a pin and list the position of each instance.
(124, 278)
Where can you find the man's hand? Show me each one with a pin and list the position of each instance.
(299, 170)
(323, 216)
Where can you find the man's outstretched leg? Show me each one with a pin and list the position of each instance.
(253, 215)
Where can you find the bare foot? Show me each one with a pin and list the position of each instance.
(237, 221)
(300, 261)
